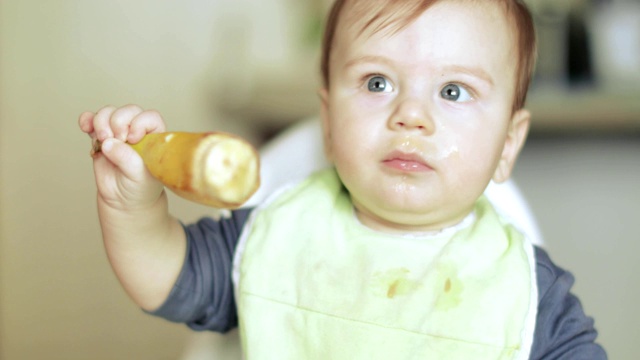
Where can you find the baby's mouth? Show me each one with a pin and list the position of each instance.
(406, 162)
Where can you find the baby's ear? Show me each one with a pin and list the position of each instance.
(324, 117)
(514, 141)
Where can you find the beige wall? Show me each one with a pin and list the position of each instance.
(58, 296)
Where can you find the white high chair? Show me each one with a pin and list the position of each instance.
(290, 157)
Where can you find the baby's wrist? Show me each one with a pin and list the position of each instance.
(134, 208)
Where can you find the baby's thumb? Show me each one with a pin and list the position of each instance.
(125, 158)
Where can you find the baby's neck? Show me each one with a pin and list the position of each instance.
(446, 231)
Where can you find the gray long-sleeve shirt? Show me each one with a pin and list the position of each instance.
(203, 294)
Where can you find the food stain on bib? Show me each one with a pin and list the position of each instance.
(448, 287)
(392, 283)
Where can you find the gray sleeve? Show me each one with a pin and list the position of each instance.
(563, 331)
(202, 297)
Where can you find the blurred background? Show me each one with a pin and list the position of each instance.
(249, 67)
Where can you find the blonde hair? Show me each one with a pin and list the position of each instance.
(397, 14)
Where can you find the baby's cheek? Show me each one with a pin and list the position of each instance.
(449, 153)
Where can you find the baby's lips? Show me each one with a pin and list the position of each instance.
(411, 162)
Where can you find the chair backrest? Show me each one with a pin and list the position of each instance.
(298, 151)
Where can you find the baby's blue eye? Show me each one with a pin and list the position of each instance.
(453, 92)
(379, 84)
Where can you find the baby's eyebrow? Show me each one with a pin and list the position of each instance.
(473, 71)
(369, 59)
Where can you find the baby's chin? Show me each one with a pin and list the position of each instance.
(404, 222)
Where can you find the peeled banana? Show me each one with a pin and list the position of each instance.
(214, 168)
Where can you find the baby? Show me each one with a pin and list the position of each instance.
(393, 253)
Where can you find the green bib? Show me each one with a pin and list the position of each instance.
(314, 283)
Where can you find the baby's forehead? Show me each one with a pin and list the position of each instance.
(447, 34)
(368, 17)
(360, 17)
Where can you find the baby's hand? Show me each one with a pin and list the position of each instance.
(122, 179)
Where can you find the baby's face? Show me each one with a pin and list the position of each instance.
(416, 121)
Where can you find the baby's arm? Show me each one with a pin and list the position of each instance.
(144, 243)
(563, 331)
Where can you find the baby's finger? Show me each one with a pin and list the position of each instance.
(121, 119)
(149, 121)
(85, 122)
(125, 158)
(102, 124)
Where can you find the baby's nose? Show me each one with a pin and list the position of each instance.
(412, 114)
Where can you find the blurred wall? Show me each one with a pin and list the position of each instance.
(58, 296)
(584, 193)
